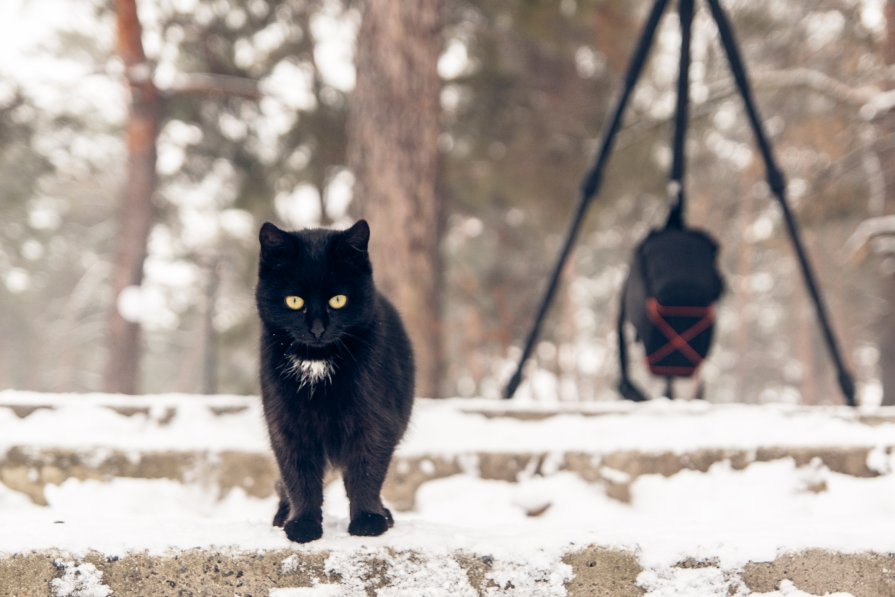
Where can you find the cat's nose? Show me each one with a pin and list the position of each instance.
(317, 328)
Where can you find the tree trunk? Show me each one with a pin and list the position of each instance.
(135, 214)
(887, 340)
(393, 152)
(886, 328)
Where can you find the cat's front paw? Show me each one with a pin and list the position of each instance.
(368, 524)
(304, 529)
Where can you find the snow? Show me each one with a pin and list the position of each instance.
(321, 590)
(768, 507)
(82, 580)
(86, 424)
(724, 517)
(676, 582)
(707, 582)
(788, 589)
(444, 573)
(445, 427)
(881, 461)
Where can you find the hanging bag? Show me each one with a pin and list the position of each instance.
(669, 296)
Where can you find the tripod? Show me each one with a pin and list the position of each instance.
(592, 181)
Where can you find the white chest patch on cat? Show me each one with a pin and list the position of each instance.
(311, 372)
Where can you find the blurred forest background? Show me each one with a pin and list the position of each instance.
(175, 141)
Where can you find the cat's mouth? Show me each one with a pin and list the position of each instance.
(320, 342)
(305, 346)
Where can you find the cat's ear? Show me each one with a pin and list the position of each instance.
(357, 237)
(274, 242)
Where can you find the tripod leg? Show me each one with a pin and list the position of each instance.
(778, 186)
(591, 185)
(679, 140)
(626, 387)
(699, 394)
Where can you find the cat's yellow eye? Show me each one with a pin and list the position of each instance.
(295, 302)
(338, 301)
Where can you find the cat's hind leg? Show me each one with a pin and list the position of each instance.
(282, 514)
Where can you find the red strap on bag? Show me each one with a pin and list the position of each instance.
(680, 342)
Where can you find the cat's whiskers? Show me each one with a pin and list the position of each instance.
(347, 350)
(355, 337)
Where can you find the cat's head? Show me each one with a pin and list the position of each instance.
(316, 285)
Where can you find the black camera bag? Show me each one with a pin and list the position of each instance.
(669, 297)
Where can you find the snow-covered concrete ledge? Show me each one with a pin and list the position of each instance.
(220, 440)
(163, 406)
(584, 572)
(447, 427)
(170, 495)
(30, 470)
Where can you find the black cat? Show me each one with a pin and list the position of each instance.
(336, 374)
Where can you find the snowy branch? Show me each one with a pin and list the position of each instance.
(869, 100)
(872, 235)
(205, 84)
(805, 78)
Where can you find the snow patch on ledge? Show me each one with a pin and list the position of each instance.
(81, 580)
(726, 516)
(448, 427)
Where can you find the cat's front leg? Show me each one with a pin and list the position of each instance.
(364, 477)
(302, 476)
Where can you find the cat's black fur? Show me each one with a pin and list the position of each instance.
(353, 420)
